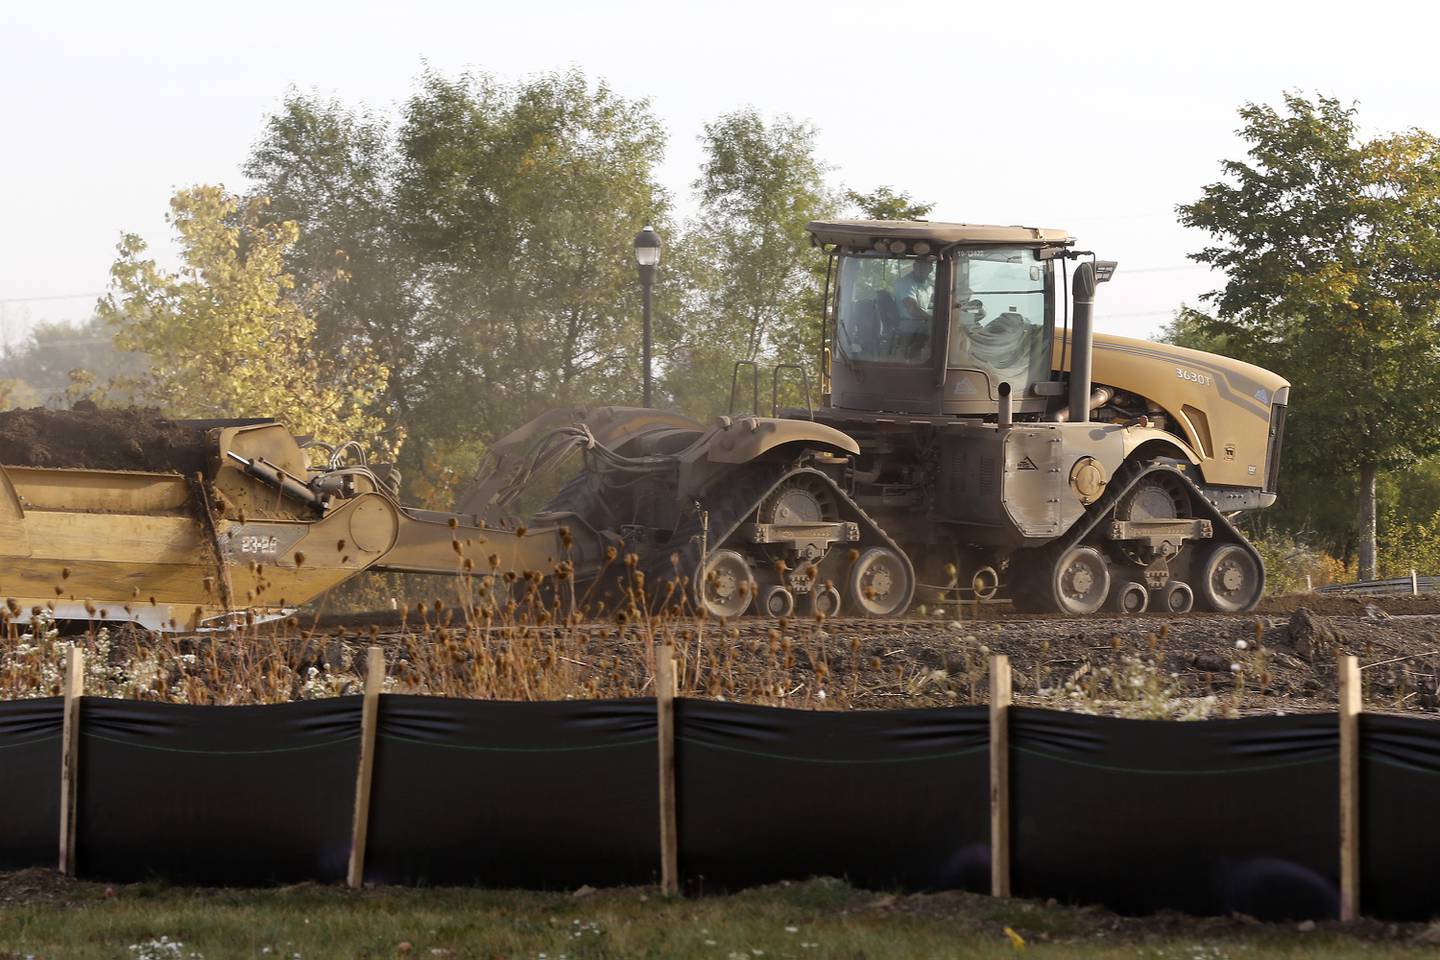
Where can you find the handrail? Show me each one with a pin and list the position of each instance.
(754, 384)
(775, 388)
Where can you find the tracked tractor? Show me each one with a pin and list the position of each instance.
(974, 438)
(1003, 439)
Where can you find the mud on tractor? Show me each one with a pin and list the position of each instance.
(973, 439)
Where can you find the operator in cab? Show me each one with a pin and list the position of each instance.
(914, 300)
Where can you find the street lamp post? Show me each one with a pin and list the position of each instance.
(647, 257)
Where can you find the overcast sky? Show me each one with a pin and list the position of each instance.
(1098, 118)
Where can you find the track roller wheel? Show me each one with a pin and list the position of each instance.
(1229, 580)
(825, 601)
(1175, 597)
(777, 602)
(880, 584)
(1078, 584)
(726, 586)
(1129, 598)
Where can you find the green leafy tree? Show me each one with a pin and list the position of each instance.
(331, 171)
(224, 334)
(56, 354)
(883, 203)
(523, 201)
(1411, 543)
(752, 282)
(1196, 330)
(481, 245)
(1331, 245)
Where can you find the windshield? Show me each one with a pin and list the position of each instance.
(885, 309)
(998, 316)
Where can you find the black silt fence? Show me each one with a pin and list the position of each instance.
(1399, 801)
(1208, 818)
(537, 795)
(1212, 817)
(30, 781)
(894, 798)
(216, 795)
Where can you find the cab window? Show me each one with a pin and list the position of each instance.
(998, 322)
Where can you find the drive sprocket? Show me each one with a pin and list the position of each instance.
(799, 500)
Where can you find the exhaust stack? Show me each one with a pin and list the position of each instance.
(1083, 333)
(1003, 415)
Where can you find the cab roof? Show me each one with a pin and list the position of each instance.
(871, 234)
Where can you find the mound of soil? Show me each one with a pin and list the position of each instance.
(131, 438)
(1352, 604)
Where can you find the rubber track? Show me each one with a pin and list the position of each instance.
(1130, 475)
(731, 500)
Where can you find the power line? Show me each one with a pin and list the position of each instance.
(1169, 269)
(58, 296)
(1142, 313)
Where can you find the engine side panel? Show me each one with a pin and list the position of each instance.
(1223, 407)
(1014, 487)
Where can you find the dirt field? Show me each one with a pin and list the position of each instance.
(1280, 659)
(1179, 667)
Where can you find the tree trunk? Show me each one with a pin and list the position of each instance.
(1367, 521)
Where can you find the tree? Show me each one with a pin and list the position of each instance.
(226, 336)
(332, 171)
(753, 282)
(524, 201)
(54, 355)
(1193, 329)
(482, 246)
(883, 203)
(1331, 249)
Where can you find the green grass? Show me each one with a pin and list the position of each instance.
(815, 919)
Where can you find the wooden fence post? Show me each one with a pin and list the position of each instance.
(369, 719)
(665, 734)
(1350, 706)
(70, 757)
(1000, 776)
(1414, 583)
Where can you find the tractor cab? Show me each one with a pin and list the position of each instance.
(931, 318)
